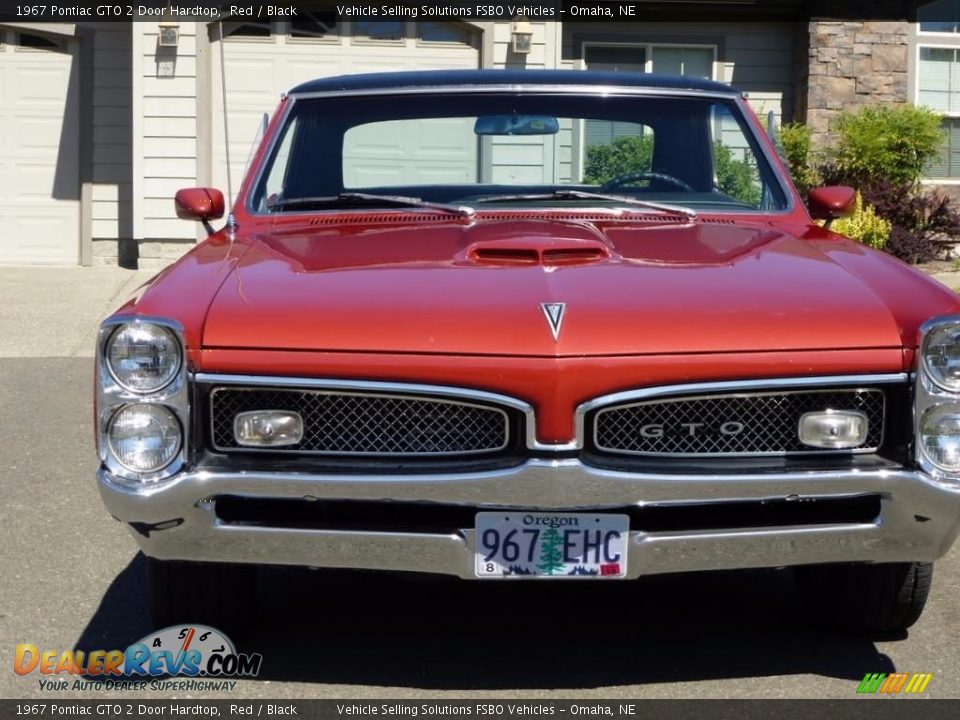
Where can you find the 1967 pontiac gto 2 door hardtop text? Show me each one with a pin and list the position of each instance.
(531, 325)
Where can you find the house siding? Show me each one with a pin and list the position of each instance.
(111, 187)
(531, 159)
(758, 58)
(165, 142)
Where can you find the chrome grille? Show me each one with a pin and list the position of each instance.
(686, 426)
(343, 422)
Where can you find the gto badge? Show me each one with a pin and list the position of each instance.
(554, 314)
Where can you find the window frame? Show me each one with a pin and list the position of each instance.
(470, 32)
(648, 48)
(920, 45)
(580, 128)
(933, 33)
(366, 40)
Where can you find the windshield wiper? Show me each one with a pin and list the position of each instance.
(584, 195)
(355, 199)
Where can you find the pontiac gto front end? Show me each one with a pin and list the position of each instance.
(485, 358)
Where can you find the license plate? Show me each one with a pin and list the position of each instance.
(551, 545)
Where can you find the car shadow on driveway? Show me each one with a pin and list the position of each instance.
(365, 629)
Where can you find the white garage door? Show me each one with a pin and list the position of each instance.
(264, 60)
(39, 187)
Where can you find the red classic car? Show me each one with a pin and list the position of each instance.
(531, 325)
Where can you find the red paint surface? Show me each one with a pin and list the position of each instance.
(649, 301)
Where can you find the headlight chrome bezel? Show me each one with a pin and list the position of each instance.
(112, 338)
(930, 331)
(111, 440)
(932, 393)
(112, 396)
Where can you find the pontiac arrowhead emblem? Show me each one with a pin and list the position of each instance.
(554, 314)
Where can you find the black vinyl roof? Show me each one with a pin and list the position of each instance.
(480, 78)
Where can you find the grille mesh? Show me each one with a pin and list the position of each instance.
(770, 423)
(342, 422)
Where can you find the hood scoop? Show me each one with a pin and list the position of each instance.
(537, 251)
(535, 242)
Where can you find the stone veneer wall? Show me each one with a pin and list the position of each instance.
(852, 63)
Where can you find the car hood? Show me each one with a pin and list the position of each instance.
(658, 286)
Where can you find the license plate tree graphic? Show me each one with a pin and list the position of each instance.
(551, 553)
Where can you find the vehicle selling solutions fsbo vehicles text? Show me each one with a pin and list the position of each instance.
(436, 10)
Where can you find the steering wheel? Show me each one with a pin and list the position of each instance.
(621, 180)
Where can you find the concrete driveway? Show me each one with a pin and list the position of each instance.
(72, 578)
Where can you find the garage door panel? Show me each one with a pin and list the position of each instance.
(260, 70)
(372, 173)
(29, 238)
(33, 182)
(30, 135)
(35, 84)
(454, 174)
(445, 150)
(253, 81)
(39, 183)
(300, 71)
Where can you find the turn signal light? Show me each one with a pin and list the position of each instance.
(833, 429)
(268, 428)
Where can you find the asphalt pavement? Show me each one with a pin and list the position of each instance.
(71, 578)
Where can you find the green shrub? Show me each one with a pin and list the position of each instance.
(891, 142)
(921, 218)
(623, 156)
(736, 178)
(864, 225)
(626, 155)
(795, 140)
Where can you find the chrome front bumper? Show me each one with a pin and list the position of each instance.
(919, 519)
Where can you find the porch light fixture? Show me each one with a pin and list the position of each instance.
(521, 36)
(169, 34)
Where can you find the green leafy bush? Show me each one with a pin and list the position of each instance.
(736, 178)
(864, 225)
(882, 151)
(623, 156)
(921, 218)
(796, 140)
(883, 141)
(626, 155)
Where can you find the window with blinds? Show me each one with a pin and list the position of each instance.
(947, 163)
(938, 79)
(660, 59)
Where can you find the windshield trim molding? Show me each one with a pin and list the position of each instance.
(530, 88)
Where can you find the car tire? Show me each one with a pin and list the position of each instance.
(882, 599)
(216, 594)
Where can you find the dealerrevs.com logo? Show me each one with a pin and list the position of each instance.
(188, 651)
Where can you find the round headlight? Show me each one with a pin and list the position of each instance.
(940, 436)
(941, 356)
(142, 357)
(144, 438)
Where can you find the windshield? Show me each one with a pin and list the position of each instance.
(530, 150)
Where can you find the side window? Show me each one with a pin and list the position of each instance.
(382, 30)
(735, 171)
(313, 24)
